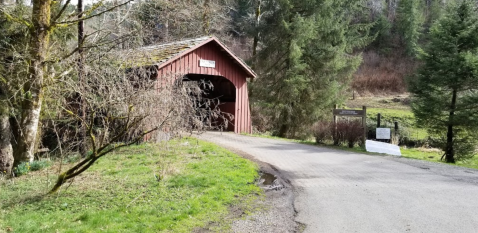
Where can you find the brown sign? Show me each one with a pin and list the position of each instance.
(348, 112)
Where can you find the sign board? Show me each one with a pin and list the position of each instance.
(207, 63)
(348, 112)
(383, 133)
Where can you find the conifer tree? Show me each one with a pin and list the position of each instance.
(306, 59)
(445, 90)
(409, 24)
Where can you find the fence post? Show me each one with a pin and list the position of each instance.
(364, 122)
(396, 128)
(335, 117)
(379, 118)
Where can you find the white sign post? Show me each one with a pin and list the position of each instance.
(383, 133)
(207, 63)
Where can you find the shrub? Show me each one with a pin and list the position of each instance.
(39, 164)
(349, 132)
(21, 169)
(381, 73)
(321, 131)
(337, 131)
(25, 167)
(353, 132)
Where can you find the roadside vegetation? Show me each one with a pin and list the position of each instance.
(180, 186)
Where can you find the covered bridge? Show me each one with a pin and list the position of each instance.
(207, 58)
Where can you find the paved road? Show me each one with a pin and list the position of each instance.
(339, 191)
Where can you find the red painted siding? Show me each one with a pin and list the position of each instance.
(225, 67)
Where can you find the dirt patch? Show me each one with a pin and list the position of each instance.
(274, 213)
(277, 212)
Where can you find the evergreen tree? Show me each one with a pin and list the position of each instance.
(409, 24)
(445, 90)
(307, 59)
(382, 29)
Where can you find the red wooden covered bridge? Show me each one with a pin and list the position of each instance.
(207, 58)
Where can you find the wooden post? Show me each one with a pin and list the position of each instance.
(364, 122)
(335, 117)
(396, 128)
(379, 118)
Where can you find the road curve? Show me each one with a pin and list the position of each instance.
(339, 191)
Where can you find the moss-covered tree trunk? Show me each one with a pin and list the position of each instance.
(33, 87)
(6, 151)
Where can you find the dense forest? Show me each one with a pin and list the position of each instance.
(63, 84)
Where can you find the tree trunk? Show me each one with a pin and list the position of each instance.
(284, 128)
(256, 35)
(206, 17)
(33, 87)
(449, 151)
(81, 73)
(6, 150)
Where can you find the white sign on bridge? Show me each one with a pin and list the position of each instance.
(207, 63)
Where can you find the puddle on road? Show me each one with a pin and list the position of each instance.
(267, 179)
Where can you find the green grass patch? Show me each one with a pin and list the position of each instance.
(435, 155)
(175, 187)
(389, 116)
(405, 118)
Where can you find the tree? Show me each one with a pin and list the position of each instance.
(12, 37)
(124, 105)
(31, 71)
(6, 150)
(163, 20)
(445, 89)
(409, 24)
(307, 55)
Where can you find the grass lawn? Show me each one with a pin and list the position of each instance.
(391, 111)
(389, 102)
(176, 187)
(405, 118)
(435, 156)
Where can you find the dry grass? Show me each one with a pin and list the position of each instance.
(380, 74)
(430, 150)
(401, 102)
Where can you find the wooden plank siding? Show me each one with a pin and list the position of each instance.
(226, 66)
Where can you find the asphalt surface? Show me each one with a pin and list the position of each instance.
(339, 191)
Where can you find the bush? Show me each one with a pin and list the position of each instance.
(351, 131)
(21, 169)
(337, 131)
(39, 164)
(24, 168)
(321, 131)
